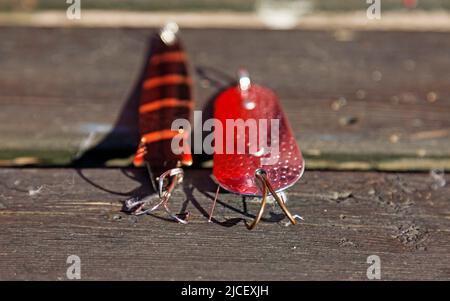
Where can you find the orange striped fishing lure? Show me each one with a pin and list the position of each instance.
(166, 95)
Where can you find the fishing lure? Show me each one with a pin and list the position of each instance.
(258, 161)
(165, 96)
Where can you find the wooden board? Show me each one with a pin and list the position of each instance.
(63, 90)
(49, 214)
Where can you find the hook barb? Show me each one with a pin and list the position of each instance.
(261, 175)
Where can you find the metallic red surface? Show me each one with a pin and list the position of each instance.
(236, 172)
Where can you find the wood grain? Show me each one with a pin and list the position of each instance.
(49, 214)
(65, 90)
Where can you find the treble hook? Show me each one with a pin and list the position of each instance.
(176, 175)
(261, 175)
(263, 204)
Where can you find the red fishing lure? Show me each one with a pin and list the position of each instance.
(256, 148)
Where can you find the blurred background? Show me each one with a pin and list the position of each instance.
(360, 93)
(232, 5)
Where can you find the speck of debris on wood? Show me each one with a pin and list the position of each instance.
(338, 104)
(421, 152)
(394, 138)
(412, 236)
(432, 97)
(348, 120)
(438, 178)
(111, 216)
(33, 192)
(342, 216)
(116, 217)
(345, 242)
(337, 196)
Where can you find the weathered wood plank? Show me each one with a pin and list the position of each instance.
(356, 99)
(48, 214)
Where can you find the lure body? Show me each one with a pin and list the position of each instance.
(165, 96)
(235, 171)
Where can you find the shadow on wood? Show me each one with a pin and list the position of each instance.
(123, 140)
